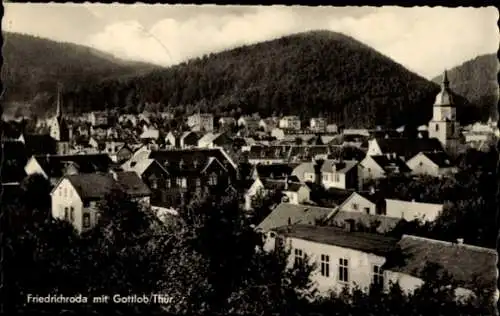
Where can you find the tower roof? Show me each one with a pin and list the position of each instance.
(444, 97)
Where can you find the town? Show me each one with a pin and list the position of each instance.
(192, 190)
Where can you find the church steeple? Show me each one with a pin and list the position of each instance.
(445, 97)
(58, 105)
(446, 82)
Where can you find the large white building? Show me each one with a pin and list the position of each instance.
(201, 122)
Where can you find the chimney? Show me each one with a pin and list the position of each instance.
(460, 241)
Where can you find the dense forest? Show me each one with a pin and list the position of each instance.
(477, 81)
(306, 74)
(33, 66)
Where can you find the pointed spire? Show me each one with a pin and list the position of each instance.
(58, 109)
(446, 82)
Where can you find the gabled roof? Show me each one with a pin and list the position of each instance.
(408, 147)
(139, 166)
(304, 214)
(388, 163)
(364, 242)
(441, 159)
(53, 165)
(179, 162)
(467, 264)
(274, 170)
(95, 186)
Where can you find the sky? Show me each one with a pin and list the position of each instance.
(423, 39)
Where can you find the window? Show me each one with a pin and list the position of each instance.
(343, 270)
(355, 206)
(299, 256)
(452, 128)
(437, 127)
(86, 220)
(198, 182)
(367, 210)
(378, 276)
(212, 180)
(72, 214)
(337, 177)
(325, 177)
(66, 214)
(325, 265)
(65, 192)
(178, 182)
(168, 183)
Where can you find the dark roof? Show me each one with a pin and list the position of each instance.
(188, 161)
(365, 242)
(95, 186)
(274, 170)
(308, 152)
(53, 165)
(391, 164)
(303, 214)
(40, 144)
(269, 152)
(409, 147)
(271, 184)
(441, 159)
(464, 262)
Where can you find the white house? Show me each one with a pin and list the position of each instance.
(75, 197)
(294, 192)
(278, 133)
(201, 122)
(333, 174)
(411, 210)
(381, 166)
(290, 123)
(365, 203)
(433, 164)
(317, 124)
(249, 122)
(404, 148)
(343, 258)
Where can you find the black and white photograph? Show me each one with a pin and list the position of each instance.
(249, 160)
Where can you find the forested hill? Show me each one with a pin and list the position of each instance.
(33, 66)
(311, 73)
(477, 81)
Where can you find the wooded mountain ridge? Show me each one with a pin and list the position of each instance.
(316, 73)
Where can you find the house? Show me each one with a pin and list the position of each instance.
(278, 133)
(98, 118)
(403, 147)
(154, 176)
(274, 171)
(201, 122)
(470, 267)
(189, 139)
(192, 171)
(344, 258)
(364, 202)
(433, 164)
(266, 155)
(290, 123)
(150, 134)
(317, 124)
(249, 122)
(172, 140)
(56, 166)
(332, 128)
(226, 122)
(411, 210)
(124, 153)
(291, 214)
(295, 192)
(211, 140)
(381, 166)
(268, 124)
(75, 197)
(306, 153)
(340, 174)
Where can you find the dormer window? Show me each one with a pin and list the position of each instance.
(212, 180)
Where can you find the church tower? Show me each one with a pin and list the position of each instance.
(444, 125)
(58, 127)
